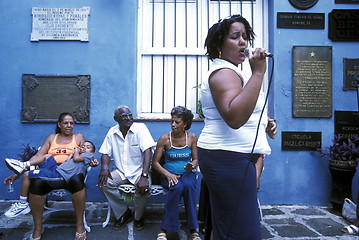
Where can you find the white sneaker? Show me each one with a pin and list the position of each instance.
(18, 208)
(16, 166)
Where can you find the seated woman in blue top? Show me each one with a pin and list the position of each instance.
(180, 152)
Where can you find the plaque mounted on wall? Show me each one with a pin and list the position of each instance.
(347, 1)
(60, 23)
(300, 20)
(301, 141)
(45, 97)
(303, 4)
(312, 81)
(343, 25)
(351, 73)
(347, 124)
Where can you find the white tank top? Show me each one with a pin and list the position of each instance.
(217, 135)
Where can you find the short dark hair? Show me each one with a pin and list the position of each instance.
(61, 118)
(93, 145)
(218, 32)
(185, 114)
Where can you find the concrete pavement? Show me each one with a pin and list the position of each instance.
(279, 222)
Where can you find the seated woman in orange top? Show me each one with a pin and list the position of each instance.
(61, 145)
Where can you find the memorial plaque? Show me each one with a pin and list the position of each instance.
(351, 73)
(312, 81)
(344, 25)
(300, 20)
(347, 124)
(301, 141)
(60, 23)
(347, 1)
(44, 97)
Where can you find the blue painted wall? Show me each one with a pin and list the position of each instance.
(110, 58)
(302, 177)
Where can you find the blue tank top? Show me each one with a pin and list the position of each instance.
(177, 157)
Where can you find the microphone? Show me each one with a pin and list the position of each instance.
(246, 52)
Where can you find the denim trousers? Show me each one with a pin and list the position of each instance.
(186, 188)
(231, 181)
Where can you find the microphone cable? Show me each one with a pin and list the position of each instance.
(254, 143)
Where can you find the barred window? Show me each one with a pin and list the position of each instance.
(171, 54)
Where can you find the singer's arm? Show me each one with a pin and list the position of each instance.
(234, 102)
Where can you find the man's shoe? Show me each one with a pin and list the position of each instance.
(138, 224)
(18, 208)
(16, 166)
(123, 220)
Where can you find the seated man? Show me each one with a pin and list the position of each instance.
(129, 145)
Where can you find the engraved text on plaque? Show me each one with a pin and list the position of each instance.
(60, 23)
(312, 81)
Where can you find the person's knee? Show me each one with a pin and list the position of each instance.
(79, 195)
(39, 187)
(76, 183)
(179, 187)
(189, 186)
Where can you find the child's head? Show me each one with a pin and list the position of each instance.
(89, 147)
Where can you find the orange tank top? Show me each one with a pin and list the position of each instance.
(61, 152)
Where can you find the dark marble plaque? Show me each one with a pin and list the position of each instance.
(343, 25)
(44, 97)
(300, 20)
(351, 73)
(301, 141)
(347, 1)
(312, 81)
(347, 124)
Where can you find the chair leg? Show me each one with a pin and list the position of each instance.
(104, 224)
(87, 227)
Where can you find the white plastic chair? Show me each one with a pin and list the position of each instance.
(62, 193)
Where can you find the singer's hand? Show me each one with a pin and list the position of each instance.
(257, 60)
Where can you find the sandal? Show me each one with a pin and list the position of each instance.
(80, 236)
(351, 229)
(38, 238)
(194, 236)
(161, 236)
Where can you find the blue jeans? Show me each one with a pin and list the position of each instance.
(186, 188)
(231, 181)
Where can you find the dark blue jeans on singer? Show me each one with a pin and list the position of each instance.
(231, 181)
(186, 188)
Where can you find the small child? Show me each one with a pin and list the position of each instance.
(57, 174)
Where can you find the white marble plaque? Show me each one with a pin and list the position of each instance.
(60, 23)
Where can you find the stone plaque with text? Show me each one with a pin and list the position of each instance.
(312, 81)
(301, 141)
(60, 23)
(351, 73)
(347, 1)
(44, 97)
(300, 20)
(343, 25)
(347, 124)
